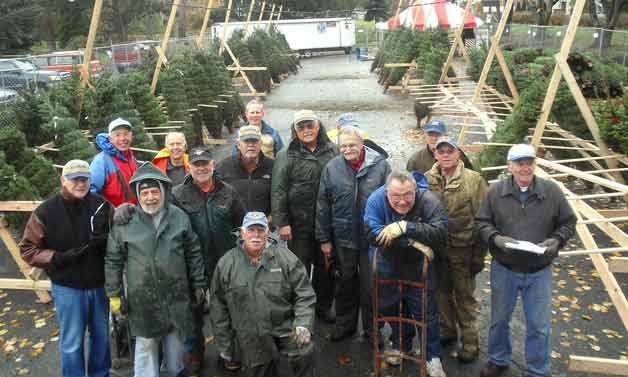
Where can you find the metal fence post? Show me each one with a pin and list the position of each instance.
(601, 36)
(625, 46)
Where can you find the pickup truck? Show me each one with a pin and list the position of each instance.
(17, 74)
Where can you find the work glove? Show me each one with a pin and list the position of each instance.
(552, 245)
(115, 305)
(302, 336)
(199, 296)
(123, 214)
(477, 265)
(426, 250)
(70, 256)
(392, 232)
(501, 241)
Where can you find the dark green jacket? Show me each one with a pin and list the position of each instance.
(296, 176)
(162, 266)
(258, 303)
(214, 217)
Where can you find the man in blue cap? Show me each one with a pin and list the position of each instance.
(262, 299)
(424, 159)
(527, 208)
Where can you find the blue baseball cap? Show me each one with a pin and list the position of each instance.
(255, 218)
(446, 140)
(436, 126)
(521, 151)
(346, 119)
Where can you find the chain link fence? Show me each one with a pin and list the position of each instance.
(604, 43)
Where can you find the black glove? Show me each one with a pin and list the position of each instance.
(199, 296)
(64, 258)
(477, 265)
(552, 245)
(123, 214)
(501, 241)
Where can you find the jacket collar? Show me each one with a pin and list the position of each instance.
(102, 141)
(455, 179)
(509, 187)
(371, 157)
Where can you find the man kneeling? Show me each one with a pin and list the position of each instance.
(261, 293)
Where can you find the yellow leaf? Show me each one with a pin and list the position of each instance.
(39, 345)
(344, 360)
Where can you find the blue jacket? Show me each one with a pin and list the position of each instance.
(111, 171)
(266, 130)
(427, 223)
(342, 196)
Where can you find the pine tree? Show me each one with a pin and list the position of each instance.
(72, 142)
(138, 90)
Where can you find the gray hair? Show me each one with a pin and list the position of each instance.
(254, 102)
(172, 135)
(400, 176)
(351, 131)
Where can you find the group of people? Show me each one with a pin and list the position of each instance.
(273, 236)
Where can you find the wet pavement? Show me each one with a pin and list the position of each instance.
(584, 322)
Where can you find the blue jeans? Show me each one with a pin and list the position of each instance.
(389, 306)
(79, 310)
(536, 291)
(146, 363)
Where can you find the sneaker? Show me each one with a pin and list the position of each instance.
(493, 370)
(393, 357)
(435, 368)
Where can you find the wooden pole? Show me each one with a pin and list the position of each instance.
(208, 11)
(491, 53)
(91, 37)
(398, 8)
(225, 27)
(261, 13)
(279, 14)
(164, 45)
(452, 50)
(248, 18)
(270, 18)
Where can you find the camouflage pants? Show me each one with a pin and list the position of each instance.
(454, 294)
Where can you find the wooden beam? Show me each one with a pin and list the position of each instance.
(507, 75)
(14, 250)
(164, 44)
(261, 13)
(582, 175)
(618, 264)
(237, 69)
(19, 206)
(455, 45)
(91, 37)
(201, 34)
(248, 18)
(613, 212)
(144, 150)
(607, 250)
(27, 284)
(223, 40)
(270, 18)
(280, 11)
(598, 365)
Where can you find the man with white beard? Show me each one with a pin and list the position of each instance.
(163, 261)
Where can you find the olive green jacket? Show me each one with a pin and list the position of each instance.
(162, 266)
(258, 303)
(462, 195)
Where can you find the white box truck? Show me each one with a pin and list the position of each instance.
(304, 35)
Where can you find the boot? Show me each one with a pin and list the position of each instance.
(493, 370)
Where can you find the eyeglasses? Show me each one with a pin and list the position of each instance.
(406, 196)
(302, 126)
(349, 146)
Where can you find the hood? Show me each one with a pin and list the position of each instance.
(421, 181)
(150, 171)
(102, 141)
(373, 145)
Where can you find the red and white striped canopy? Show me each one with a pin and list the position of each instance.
(430, 14)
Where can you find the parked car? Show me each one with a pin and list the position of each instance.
(8, 96)
(18, 74)
(67, 61)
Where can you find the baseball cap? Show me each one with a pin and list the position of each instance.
(436, 126)
(302, 116)
(347, 119)
(249, 133)
(200, 153)
(255, 218)
(446, 140)
(75, 169)
(119, 122)
(521, 151)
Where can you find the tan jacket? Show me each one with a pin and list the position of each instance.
(462, 196)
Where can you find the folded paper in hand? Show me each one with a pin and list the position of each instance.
(526, 246)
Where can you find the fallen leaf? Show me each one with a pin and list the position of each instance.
(22, 371)
(39, 345)
(344, 360)
(555, 355)
(587, 317)
(54, 339)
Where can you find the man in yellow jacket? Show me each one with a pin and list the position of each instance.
(461, 191)
(172, 160)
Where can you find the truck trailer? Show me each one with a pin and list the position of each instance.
(304, 35)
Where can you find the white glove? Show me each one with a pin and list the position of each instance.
(426, 250)
(392, 232)
(224, 356)
(302, 336)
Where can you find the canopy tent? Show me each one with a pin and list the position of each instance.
(430, 14)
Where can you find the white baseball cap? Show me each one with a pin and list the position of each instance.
(521, 151)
